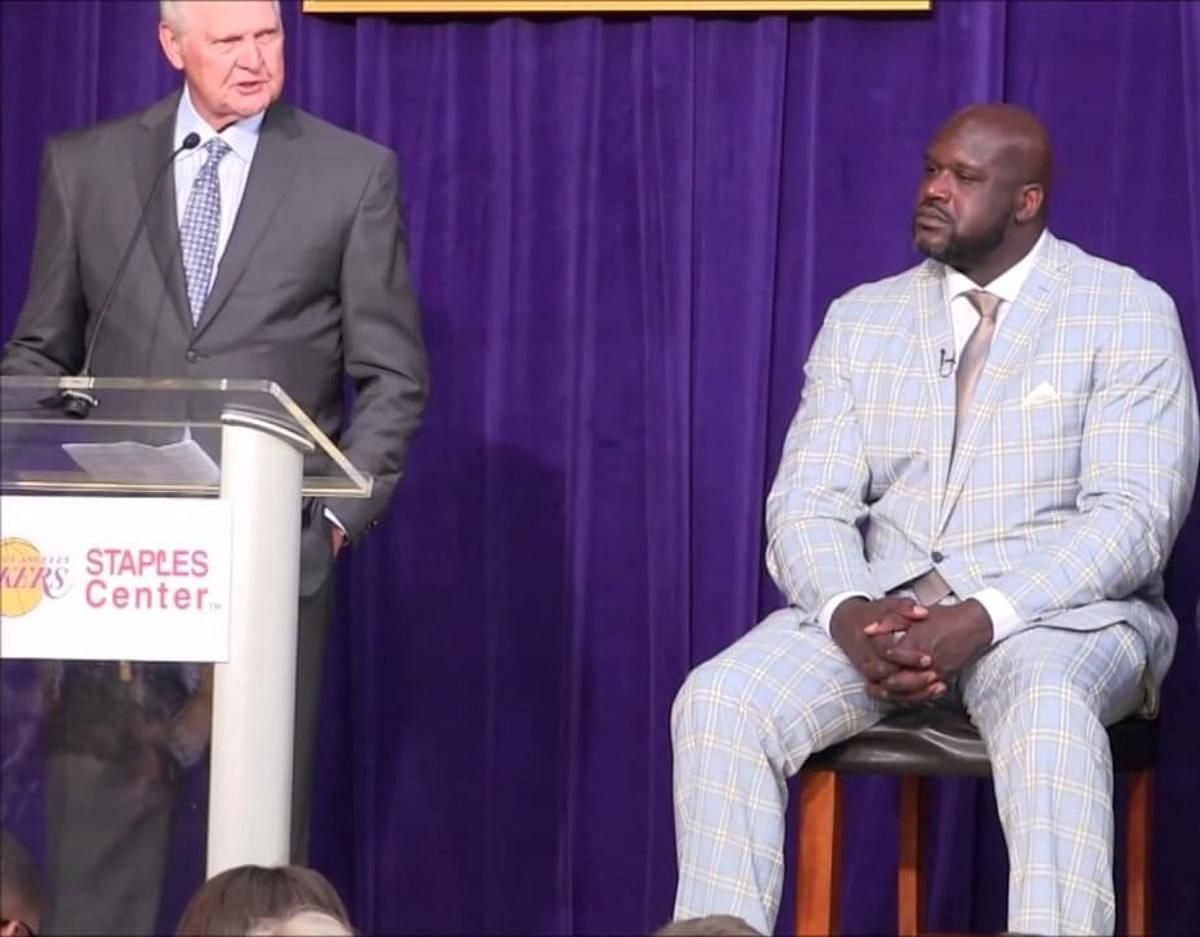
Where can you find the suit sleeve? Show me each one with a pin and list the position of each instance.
(817, 503)
(1138, 458)
(49, 335)
(384, 352)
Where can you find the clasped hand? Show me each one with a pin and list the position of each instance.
(907, 652)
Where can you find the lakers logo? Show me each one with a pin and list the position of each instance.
(27, 577)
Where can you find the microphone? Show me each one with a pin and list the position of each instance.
(946, 365)
(79, 403)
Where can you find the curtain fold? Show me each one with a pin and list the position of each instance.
(625, 234)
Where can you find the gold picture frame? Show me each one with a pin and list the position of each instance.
(567, 7)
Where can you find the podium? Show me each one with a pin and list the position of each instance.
(243, 443)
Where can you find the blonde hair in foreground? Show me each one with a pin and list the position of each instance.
(307, 923)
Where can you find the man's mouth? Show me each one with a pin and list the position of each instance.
(931, 218)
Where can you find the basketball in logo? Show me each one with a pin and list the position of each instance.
(22, 577)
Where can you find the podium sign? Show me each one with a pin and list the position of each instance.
(115, 578)
(209, 570)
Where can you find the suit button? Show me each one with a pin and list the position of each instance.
(192, 357)
(937, 556)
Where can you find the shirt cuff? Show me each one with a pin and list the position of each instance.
(825, 616)
(1006, 620)
(333, 519)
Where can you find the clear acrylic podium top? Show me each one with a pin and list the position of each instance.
(152, 436)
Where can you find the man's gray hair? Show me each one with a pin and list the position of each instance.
(171, 12)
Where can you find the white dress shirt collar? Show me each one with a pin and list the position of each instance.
(242, 136)
(1007, 286)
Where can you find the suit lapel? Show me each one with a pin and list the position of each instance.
(934, 335)
(270, 176)
(162, 226)
(1009, 355)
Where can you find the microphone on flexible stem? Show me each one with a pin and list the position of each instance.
(79, 403)
(946, 364)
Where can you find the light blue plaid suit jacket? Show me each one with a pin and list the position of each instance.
(1070, 480)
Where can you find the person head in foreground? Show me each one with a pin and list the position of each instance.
(305, 923)
(715, 925)
(992, 457)
(230, 53)
(239, 899)
(20, 890)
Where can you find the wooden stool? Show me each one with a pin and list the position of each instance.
(942, 742)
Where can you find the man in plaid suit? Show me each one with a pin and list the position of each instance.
(993, 454)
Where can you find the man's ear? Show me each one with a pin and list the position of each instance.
(172, 49)
(1029, 201)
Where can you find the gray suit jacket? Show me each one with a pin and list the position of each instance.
(313, 286)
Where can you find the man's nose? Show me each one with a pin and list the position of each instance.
(935, 187)
(250, 56)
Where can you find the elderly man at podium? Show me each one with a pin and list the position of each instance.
(272, 247)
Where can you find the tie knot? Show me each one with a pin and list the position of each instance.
(985, 303)
(216, 148)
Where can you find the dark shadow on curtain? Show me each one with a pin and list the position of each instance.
(502, 693)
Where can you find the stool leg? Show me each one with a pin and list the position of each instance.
(908, 883)
(820, 854)
(1137, 853)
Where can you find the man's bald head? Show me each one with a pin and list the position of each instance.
(1021, 141)
(984, 193)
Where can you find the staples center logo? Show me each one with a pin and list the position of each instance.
(27, 577)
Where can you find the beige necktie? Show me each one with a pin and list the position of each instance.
(932, 588)
(974, 354)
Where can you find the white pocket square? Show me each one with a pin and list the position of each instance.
(1043, 393)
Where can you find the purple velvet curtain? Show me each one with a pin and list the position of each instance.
(625, 233)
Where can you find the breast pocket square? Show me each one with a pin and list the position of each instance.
(1042, 394)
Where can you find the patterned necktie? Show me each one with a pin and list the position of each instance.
(974, 354)
(201, 226)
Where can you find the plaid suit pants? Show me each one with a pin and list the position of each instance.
(745, 721)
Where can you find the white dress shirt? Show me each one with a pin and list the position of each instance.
(964, 317)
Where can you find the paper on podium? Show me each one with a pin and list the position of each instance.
(183, 462)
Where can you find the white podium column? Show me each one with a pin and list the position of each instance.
(254, 694)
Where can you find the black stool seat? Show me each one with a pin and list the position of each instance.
(942, 741)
